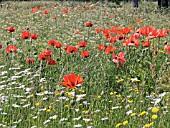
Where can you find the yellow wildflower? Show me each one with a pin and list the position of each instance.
(143, 113)
(110, 101)
(37, 104)
(48, 110)
(119, 81)
(125, 122)
(154, 116)
(130, 101)
(133, 114)
(99, 96)
(155, 109)
(148, 125)
(118, 125)
(111, 93)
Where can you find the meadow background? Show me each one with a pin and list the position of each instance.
(130, 91)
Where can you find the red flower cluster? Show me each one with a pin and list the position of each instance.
(27, 34)
(107, 49)
(46, 55)
(11, 49)
(55, 43)
(71, 81)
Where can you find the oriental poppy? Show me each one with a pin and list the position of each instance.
(120, 58)
(131, 41)
(45, 55)
(25, 35)
(146, 44)
(51, 62)
(11, 49)
(167, 47)
(34, 36)
(85, 54)
(71, 49)
(30, 61)
(71, 81)
(11, 29)
(101, 47)
(58, 45)
(109, 49)
(89, 24)
(64, 10)
(35, 9)
(51, 43)
(124, 31)
(82, 44)
(46, 12)
(157, 33)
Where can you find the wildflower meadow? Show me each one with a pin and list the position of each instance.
(74, 64)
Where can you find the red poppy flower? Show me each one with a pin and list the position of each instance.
(58, 45)
(64, 10)
(45, 55)
(85, 54)
(11, 29)
(89, 24)
(71, 81)
(82, 44)
(106, 33)
(71, 49)
(29, 61)
(167, 47)
(101, 47)
(34, 36)
(112, 39)
(146, 44)
(138, 20)
(145, 31)
(157, 33)
(124, 31)
(120, 58)
(46, 12)
(54, 17)
(0, 46)
(25, 35)
(35, 9)
(131, 41)
(51, 62)
(109, 49)
(51, 43)
(11, 49)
